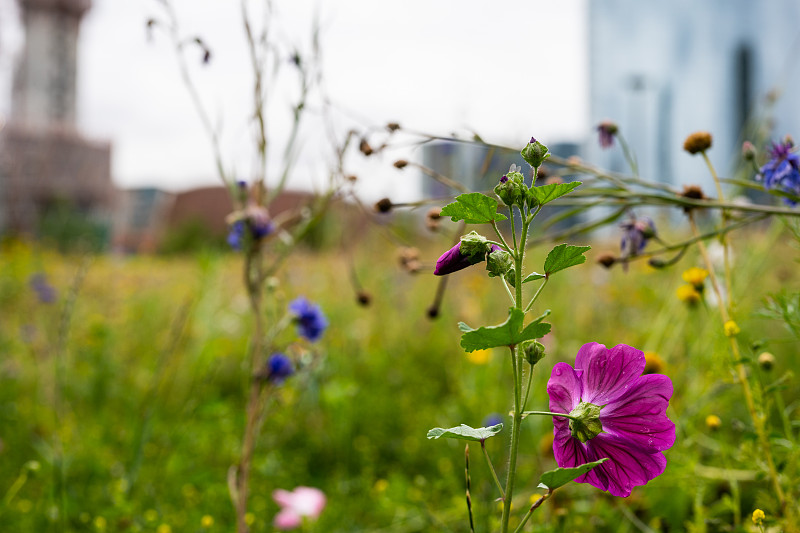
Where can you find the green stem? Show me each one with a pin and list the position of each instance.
(527, 389)
(492, 470)
(548, 413)
(535, 296)
(500, 236)
(535, 506)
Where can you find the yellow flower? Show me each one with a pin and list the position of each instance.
(535, 497)
(731, 329)
(207, 521)
(249, 519)
(696, 276)
(380, 486)
(758, 517)
(713, 422)
(688, 294)
(653, 363)
(479, 357)
(100, 523)
(164, 528)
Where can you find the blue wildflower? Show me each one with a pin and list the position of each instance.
(279, 367)
(782, 171)
(46, 293)
(635, 235)
(310, 320)
(492, 420)
(236, 235)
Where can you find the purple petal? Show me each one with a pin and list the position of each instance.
(453, 260)
(570, 452)
(627, 468)
(639, 416)
(608, 374)
(564, 389)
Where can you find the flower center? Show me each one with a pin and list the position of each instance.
(586, 422)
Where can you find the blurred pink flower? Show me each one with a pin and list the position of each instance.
(301, 502)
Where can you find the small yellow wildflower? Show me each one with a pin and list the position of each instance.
(695, 276)
(731, 328)
(758, 517)
(479, 357)
(653, 363)
(164, 528)
(380, 486)
(207, 521)
(688, 294)
(249, 519)
(100, 523)
(535, 497)
(713, 422)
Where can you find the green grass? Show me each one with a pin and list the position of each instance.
(136, 413)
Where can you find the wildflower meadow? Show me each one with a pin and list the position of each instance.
(563, 348)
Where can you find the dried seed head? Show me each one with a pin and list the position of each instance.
(697, 142)
(384, 205)
(766, 360)
(393, 126)
(365, 148)
(607, 260)
(400, 163)
(363, 298)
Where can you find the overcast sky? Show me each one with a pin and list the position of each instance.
(507, 70)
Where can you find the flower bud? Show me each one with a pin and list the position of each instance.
(766, 360)
(384, 205)
(499, 262)
(697, 142)
(535, 153)
(748, 151)
(607, 131)
(512, 189)
(471, 249)
(533, 351)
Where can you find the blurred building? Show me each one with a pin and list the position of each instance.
(662, 70)
(44, 160)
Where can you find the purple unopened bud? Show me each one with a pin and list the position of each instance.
(607, 131)
(279, 367)
(453, 260)
(504, 178)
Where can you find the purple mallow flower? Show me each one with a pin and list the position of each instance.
(782, 171)
(279, 367)
(45, 292)
(621, 415)
(454, 260)
(607, 131)
(310, 320)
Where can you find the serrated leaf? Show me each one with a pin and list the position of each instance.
(564, 256)
(559, 477)
(508, 333)
(547, 193)
(473, 208)
(464, 432)
(533, 276)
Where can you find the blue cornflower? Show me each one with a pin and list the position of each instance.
(310, 320)
(782, 171)
(279, 367)
(46, 293)
(236, 235)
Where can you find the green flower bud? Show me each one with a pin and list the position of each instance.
(473, 244)
(587, 424)
(512, 189)
(499, 263)
(533, 351)
(535, 153)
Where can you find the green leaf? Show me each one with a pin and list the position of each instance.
(548, 193)
(533, 276)
(464, 432)
(559, 477)
(564, 256)
(508, 333)
(473, 208)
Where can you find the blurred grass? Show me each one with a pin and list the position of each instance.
(152, 406)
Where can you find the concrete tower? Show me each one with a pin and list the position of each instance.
(44, 161)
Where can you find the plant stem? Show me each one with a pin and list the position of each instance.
(548, 413)
(492, 470)
(535, 506)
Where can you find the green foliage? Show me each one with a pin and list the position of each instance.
(564, 256)
(553, 479)
(473, 208)
(464, 432)
(547, 193)
(508, 333)
(64, 226)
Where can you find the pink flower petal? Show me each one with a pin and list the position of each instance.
(628, 466)
(287, 519)
(309, 501)
(564, 388)
(608, 373)
(640, 416)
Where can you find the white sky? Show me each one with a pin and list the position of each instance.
(507, 70)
